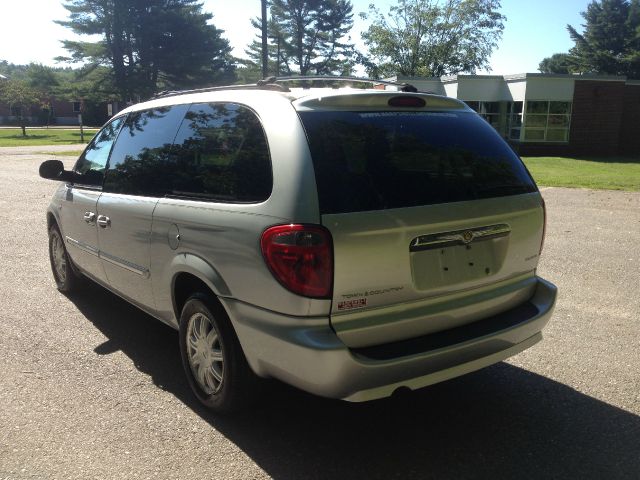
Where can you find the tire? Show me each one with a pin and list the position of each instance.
(213, 360)
(66, 277)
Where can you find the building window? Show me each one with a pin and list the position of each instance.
(515, 120)
(547, 121)
(77, 107)
(475, 106)
(490, 111)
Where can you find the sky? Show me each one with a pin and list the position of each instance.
(534, 29)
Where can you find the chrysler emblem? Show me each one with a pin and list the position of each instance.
(467, 236)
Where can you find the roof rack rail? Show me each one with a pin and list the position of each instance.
(404, 87)
(275, 83)
(258, 86)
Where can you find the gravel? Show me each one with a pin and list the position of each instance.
(90, 387)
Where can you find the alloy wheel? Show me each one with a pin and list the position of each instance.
(205, 353)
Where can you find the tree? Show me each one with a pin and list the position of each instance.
(21, 97)
(610, 42)
(149, 44)
(44, 80)
(432, 38)
(557, 63)
(11, 70)
(264, 37)
(91, 85)
(306, 38)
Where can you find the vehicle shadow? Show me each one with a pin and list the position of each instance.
(501, 422)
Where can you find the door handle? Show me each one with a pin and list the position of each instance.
(89, 217)
(104, 221)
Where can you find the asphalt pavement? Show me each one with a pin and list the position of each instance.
(91, 387)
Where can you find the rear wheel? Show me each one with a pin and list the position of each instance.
(65, 276)
(216, 368)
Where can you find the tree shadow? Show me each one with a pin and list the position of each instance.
(501, 422)
(26, 138)
(608, 159)
(599, 159)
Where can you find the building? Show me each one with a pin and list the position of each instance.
(549, 114)
(62, 113)
(51, 110)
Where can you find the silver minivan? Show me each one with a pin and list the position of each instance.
(350, 242)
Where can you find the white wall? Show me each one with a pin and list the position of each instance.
(517, 89)
(545, 88)
(483, 89)
(431, 86)
(451, 89)
(494, 89)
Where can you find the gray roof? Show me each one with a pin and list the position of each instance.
(517, 76)
(575, 76)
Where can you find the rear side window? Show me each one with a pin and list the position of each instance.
(142, 148)
(221, 153)
(380, 160)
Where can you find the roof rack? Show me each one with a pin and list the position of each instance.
(258, 86)
(275, 83)
(404, 87)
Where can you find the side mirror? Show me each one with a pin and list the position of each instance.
(51, 169)
(54, 170)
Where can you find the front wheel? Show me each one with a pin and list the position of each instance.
(67, 280)
(216, 368)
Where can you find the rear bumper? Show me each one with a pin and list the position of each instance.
(306, 353)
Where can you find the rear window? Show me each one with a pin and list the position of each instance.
(379, 160)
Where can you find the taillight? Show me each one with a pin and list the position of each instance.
(300, 257)
(544, 224)
(406, 101)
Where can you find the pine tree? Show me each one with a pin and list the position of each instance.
(306, 38)
(610, 42)
(149, 44)
(557, 63)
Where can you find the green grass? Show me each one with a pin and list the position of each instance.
(612, 173)
(66, 153)
(12, 137)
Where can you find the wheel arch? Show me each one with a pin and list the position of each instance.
(191, 274)
(52, 220)
(185, 285)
